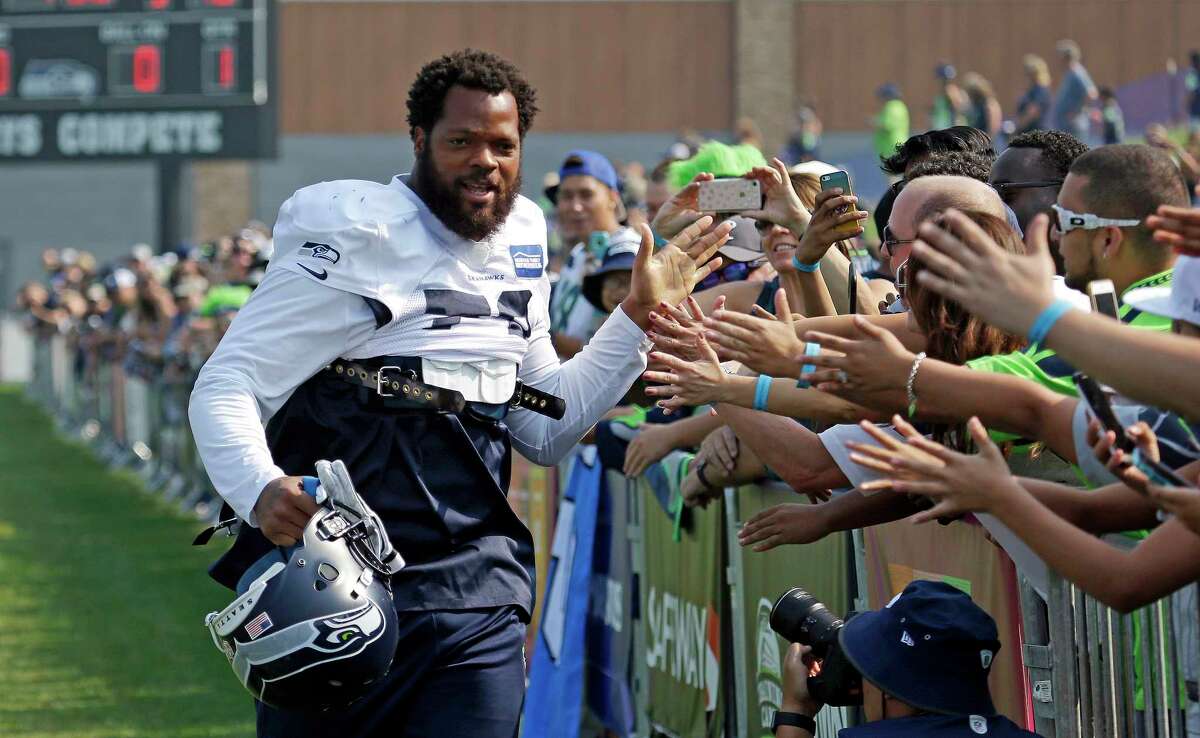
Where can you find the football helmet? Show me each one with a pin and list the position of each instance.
(313, 625)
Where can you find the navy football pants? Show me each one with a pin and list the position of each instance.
(456, 673)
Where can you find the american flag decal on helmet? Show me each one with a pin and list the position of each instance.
(258, 625)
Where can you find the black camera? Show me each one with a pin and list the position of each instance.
(801, 618)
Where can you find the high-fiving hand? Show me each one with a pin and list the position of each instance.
(669, 274)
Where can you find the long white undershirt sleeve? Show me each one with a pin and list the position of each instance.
(592, 382)
(289, 329)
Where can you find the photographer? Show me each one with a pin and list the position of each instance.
(923, 661)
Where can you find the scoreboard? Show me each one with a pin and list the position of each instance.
(136, 79)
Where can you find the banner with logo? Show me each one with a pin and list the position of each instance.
(681, 612)
(554, 700)
(610, 612)
(959, 554)
(820, 568)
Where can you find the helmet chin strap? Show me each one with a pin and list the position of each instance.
(336, 483)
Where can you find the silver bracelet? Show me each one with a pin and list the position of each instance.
(912, 380)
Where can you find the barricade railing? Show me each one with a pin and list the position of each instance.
(1075, 669)
(131, 407)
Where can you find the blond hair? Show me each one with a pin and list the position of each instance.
(1037, 67)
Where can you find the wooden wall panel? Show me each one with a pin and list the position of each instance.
(345, 67)
(847, 48)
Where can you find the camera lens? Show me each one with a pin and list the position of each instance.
(801, 618)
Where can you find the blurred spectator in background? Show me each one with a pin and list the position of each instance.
(633, 194)
(1192, 82)
(1185, 156)
(747, 133)
(657, 189)
(1076, 92)
(804, 142)
(891, 123)
(983, 111)
(1112, 119)
(1034, 106)
(950, 104)
(589, 212)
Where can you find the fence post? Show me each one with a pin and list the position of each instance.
(1038, 655)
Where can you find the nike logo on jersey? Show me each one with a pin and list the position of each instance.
(319, 275)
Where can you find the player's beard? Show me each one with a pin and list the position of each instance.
(445, 201)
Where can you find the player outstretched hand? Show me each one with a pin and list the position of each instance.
(668, 275)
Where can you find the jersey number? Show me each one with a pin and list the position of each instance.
(452, 306)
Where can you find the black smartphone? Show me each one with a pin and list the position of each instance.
(1097, 401)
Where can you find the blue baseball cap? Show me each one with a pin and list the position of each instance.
(931, 647)
(621, 253)
(590, 163)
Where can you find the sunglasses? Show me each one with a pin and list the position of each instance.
(1068, 220)
(890, 242)
(1008, 189)
(735, 272)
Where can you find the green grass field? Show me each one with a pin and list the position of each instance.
(102, 600)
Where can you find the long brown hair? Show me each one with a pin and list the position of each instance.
(952, 334)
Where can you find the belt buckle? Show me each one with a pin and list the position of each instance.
(381, 381)
(514, 402)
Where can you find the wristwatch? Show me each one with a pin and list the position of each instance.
(794, 720)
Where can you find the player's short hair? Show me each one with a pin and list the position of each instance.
(1059, 148)
(473, 69)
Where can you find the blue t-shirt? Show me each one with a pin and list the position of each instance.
(1038, 95)
(1072, 94)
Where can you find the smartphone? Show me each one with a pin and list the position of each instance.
(597, 245)
(841, 179)
(730, 195)
(1160, 473)
(1104, 297)
(1101, 407)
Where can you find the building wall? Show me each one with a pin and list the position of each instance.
(847, 48)
(345, 67)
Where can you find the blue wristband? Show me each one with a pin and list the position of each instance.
(659, 241)
(1046, 320)
(762, 389)
(805, 267)
(810, 349)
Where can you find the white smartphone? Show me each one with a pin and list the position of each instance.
(1104, 297)
(730, 195)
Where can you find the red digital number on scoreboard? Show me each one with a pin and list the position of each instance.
(158, 4)
(147, 69)
(5, 72)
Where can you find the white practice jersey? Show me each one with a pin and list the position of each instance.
(477, 314)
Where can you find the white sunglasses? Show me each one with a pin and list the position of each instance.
(1068, 221)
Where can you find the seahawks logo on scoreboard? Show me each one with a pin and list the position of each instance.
(320, 251)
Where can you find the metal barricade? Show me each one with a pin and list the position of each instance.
(1113, 675)
(130, 408)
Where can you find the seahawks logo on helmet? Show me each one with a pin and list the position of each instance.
(306, 645)
(320, 251)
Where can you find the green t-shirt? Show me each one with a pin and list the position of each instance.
(1044, 366)
(891, 127)
(224, 298)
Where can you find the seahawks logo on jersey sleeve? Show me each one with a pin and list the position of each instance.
(320, 251)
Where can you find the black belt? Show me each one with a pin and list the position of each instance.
(399, 388)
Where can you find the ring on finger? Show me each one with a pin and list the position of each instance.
(842, 377)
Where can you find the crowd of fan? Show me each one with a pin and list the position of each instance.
(164, 311)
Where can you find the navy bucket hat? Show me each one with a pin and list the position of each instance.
(931, 647)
